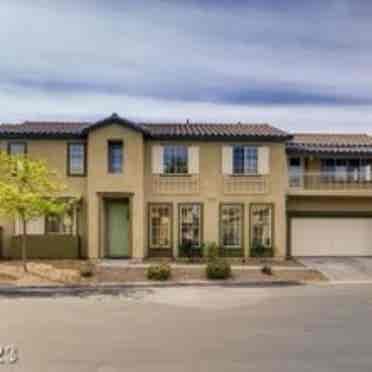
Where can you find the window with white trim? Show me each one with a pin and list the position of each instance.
(175, 159)
(245, 159)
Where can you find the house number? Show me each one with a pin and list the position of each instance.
(8, 354)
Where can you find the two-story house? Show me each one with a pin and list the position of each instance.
(145, 189)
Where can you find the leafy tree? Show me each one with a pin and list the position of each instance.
(28, 190)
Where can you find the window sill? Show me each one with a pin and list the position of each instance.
(245, 175)
(175, 175)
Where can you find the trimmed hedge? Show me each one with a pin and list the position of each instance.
(159, 272)
(218, 269)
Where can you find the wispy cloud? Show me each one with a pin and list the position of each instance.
(302, 65)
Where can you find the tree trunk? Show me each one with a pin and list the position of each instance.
(24, 252)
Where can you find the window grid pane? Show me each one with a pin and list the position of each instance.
(175, 159)
(59, 224)
(261, 223)
(115, 157)
(231, 226)
(160, 226)
(190, 224)
(77, 158)
(17, 148)
(245, 159)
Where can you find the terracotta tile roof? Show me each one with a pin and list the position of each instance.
(42, 128)
(330, 143)
(152, 130)
(209, 130)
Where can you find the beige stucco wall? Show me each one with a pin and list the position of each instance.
(212, 193)
(101, 183)
(54, 153)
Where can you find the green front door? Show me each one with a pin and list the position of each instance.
(118, 228)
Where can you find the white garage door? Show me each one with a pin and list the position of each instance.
(331, 236)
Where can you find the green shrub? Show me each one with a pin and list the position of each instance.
(87, 270)
(218, 269)
(212, 251)
(158, 272)
(267, 270)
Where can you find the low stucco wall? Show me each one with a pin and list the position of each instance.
(46, 246)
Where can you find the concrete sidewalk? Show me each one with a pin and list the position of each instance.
(142, 265)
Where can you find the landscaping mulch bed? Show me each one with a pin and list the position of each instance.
(122, 275)
(5, 278)
(234, 261)
(125, 274)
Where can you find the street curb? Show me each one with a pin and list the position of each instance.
(344, 282)
(117, 289)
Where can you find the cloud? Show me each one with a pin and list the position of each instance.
(306, 65)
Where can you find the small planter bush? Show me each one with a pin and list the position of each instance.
(267, 270)
(159, 272)
(87, 270)
(218, 269)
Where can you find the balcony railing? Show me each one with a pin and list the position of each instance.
(330, 181)
(245, 184)
(179, 184)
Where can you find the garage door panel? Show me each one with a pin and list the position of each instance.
(331, 236)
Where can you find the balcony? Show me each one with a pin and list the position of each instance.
(330, 183)
(175, 185)
(236, 185)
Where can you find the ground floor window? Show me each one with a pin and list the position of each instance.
(59, 223)
(190, 216)
(160, 220)
(231, 219)
(261, 222)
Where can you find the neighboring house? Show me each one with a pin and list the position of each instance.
(146, 189)
(329, 200)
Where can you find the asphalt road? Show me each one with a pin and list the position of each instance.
(307, 328)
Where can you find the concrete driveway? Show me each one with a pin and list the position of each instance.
(341, 269)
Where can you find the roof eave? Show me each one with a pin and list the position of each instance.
(220, 138)
(330, 152)
(114, 119)
(54, 136)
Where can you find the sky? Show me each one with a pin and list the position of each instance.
(299, 65)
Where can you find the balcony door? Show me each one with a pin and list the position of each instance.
(295, 172)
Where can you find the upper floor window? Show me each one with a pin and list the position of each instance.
(115, 156)
(244, 159)
(175, 159)
(17, 148)
(76, 159)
